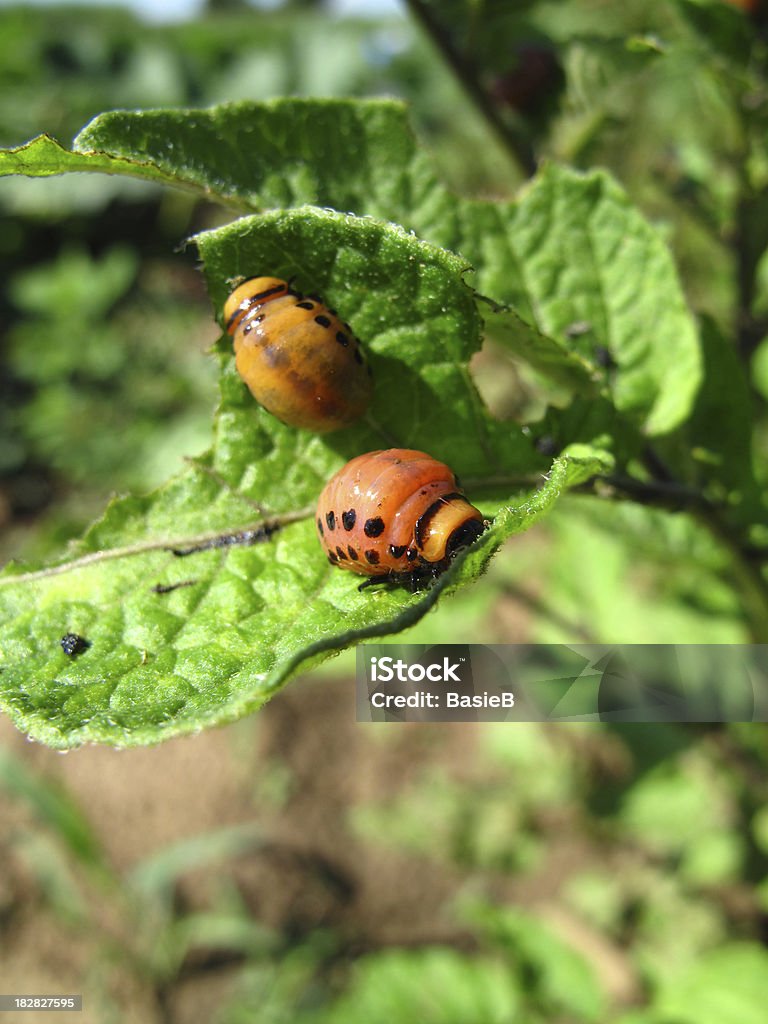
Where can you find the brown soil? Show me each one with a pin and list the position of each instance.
(309, 871)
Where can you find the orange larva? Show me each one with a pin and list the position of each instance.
(299, 360)
(397, 513)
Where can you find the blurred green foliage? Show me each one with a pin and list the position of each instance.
(585, 870)
(100, 383)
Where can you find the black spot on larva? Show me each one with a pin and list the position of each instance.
(411, 554)
(374, 527)
(372, 557)
(247, 323)
(332, 312)
(323, 321)
(320, 526)
(330, 518)
(352, 552)
(358, 357)
(332, 558)
(342, 338)
(342, 554)
(306, 304)
(72, 644)
(348, 518)
(397, 550)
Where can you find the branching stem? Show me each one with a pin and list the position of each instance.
(467, 75)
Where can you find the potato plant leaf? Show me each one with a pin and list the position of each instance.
(174, 642)
(43, 157)
(570, 252)
(713, 450)
(179, 643)
(580, 264)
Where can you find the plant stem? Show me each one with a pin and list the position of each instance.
(666, 494)
(517, 147)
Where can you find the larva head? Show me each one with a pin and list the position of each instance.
(256, 291)
(453, 525)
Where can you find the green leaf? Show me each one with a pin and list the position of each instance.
(580, 264)
(564, 981)
(429, 986)
(542, 352)
(356, 155)
(409, 306)
(590, 421)
(713, 451)
(244, 618)
(668, 810)
(601, 559)
(571, 252)
(242, 621)
(44, 156)
(343, 154)
(726, 986)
